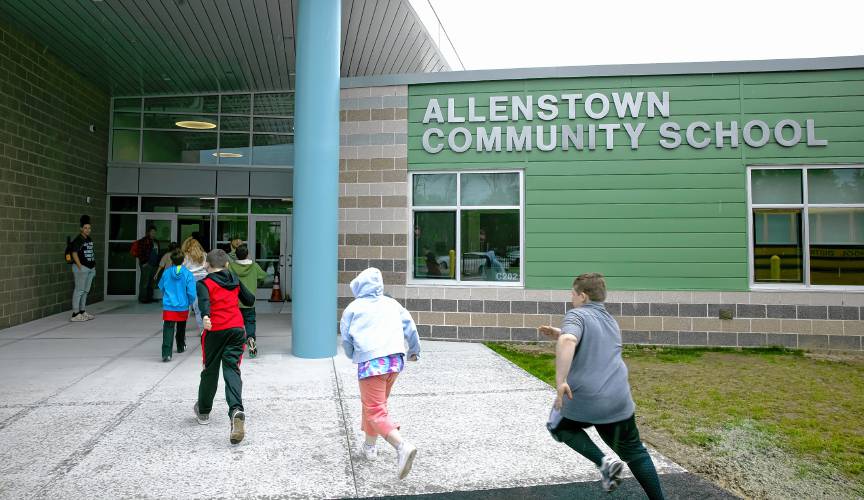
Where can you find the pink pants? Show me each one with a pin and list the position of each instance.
(374, 392)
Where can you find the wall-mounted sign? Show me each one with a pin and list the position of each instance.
(581, 130)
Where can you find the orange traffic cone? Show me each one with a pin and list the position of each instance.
(276, 294)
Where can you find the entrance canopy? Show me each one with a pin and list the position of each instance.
(140, 47)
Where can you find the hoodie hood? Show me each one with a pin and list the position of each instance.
(175, 272)
(368, 283)
(242, 268)
(225, 279)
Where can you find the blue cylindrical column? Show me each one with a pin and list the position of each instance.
(316, 178)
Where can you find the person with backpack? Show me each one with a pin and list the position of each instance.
(146, 250)
(83, 260)
(251, 275)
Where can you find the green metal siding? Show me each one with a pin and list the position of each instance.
(651, 218)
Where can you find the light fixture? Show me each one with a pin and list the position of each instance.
(198, 125)
(227, 155)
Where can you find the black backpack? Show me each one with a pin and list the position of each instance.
(68, 253)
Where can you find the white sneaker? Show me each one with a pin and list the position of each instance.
(78, 318)
(405, 456)
(88, 316)
(369, 451)
(610, 473)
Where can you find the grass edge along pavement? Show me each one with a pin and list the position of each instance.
(763, 422)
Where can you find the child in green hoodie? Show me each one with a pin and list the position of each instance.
(251, 275)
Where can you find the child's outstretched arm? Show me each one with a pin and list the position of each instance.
(247, 298)
(409, 329)
(345, 330)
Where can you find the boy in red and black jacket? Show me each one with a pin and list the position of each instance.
(222, 341)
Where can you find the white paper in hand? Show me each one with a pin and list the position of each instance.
(552, 423)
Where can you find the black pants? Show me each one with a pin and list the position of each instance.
(623, 438)
(145, 286)
(168, 334)
(225, 348)
(249, 321)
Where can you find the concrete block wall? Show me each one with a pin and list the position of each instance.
(374, 231)
(50, 163)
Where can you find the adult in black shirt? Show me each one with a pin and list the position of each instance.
(83, 269)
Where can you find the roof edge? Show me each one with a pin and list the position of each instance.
(708, 67)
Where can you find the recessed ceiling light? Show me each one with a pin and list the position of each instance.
(198, 125)
(228, 155)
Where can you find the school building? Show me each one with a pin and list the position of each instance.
(723, 201)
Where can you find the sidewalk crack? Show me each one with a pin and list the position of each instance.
(346, 426)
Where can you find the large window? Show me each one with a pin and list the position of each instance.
(807, 226)
(228, 129)
(467, 227)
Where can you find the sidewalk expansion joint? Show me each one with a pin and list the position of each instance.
(347, 427)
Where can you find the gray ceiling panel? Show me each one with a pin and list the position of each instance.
(130, 47)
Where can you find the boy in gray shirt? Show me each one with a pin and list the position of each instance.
(590, 372)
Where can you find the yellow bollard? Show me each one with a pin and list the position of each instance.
(452, 264)
(775, 268)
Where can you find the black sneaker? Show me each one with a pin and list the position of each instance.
(610, 473)
(238, 426)
(180, 348)
(253, 347)
(203, 418)
(166, 359)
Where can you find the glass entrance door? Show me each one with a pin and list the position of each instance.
(270, 248)
(166, 228)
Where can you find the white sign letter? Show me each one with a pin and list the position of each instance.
(691, 139)
(811, 135)
(520, 141)
(429, 148)
(567, 136)
(589, 106)
(496, 108)
(451, 139)
(549, 106)
(622, 105)
(553, 138)
(748, 133)
(610, 129)
(656, 104)
(634, 133)
(472, 113)
(451, 112)
(796, 133)
(524, 107)
(433, 111)
(670, 130)
(732, 134)
(571, 101)
(486, 141)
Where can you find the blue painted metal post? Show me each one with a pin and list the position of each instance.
(316, 178)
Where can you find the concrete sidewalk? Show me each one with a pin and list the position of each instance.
(89, 410)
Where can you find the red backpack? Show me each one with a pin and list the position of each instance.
(135, 249)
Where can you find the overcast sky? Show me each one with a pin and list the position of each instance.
(537, 33)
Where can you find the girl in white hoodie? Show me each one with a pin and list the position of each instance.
(374, 331)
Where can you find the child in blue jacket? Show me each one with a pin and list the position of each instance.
(178, 293)
(375, 329)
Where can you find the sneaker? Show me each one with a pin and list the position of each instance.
(405, 457)
(238, 426)
(180, 348)
(253, 348)
(370, 451)
(87, 315)
(78, 318)
(610, 473)
(203, 418)
(166, 359)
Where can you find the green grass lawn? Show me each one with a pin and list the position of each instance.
(809, 405)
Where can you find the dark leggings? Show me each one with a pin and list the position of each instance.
(168, 335)
(623, 438)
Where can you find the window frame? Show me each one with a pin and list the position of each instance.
(457, 210)
(805, 207)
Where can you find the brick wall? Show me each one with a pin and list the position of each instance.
(374, 232)
(50, 163)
